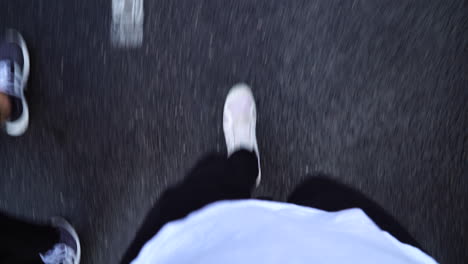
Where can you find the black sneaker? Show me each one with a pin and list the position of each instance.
(14, 73)
(68, 249)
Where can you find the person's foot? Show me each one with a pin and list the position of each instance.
(239, 121)
(68, 249)
(14, 73)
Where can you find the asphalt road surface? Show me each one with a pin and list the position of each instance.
(373, 93)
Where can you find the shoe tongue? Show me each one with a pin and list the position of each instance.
(242, 132)
(67, 239)
(8, 83)
(11, 52)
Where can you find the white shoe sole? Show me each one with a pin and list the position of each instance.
(241, 90)
(19, 126)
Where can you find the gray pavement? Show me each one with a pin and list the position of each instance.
(373, 93)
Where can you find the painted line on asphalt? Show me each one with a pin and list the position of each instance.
(127, 23)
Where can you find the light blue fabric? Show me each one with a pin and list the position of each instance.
(253, 231)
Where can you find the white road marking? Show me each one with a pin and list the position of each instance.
(127, 23)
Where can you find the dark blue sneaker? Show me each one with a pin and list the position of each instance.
(14, 73)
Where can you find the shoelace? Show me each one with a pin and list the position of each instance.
(8, 85)
(232, 132)
(60, 254)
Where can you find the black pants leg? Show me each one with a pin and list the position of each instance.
(329, 195)
(21, 242)
(214, 178)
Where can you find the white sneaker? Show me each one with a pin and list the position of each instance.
(14, 73)
(239, 121)
(68, 248)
